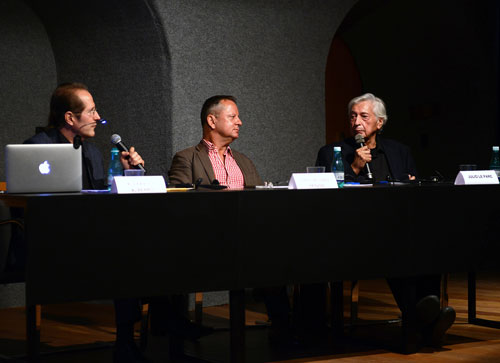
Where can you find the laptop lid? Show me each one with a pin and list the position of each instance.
(43, 168)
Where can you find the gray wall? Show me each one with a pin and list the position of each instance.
(150, 64)
(272, 56)
(27, 74)
(119, 50)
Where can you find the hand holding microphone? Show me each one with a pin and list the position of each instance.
(128, 157)
(364, 155)
(132, 158)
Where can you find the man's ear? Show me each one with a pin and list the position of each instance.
(380, 123)
(211, 121)
(68, 117)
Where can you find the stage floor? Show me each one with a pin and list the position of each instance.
(66, 328)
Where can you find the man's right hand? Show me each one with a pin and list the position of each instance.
(361, 157)
(130, 159)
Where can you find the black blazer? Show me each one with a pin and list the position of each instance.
(399, 158)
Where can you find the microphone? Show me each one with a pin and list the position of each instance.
(215, 185)
(117, 141)
(361, 141)
(77, 141)
(97, 123)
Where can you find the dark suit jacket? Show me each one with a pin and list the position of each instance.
(398, 156)
(92, 158)
(193, 163)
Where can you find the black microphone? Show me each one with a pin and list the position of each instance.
(215, 185)
(361, 141)
(77, 141)
(117, 141)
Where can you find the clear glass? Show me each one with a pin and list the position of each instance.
(495, 161)
(315, 169)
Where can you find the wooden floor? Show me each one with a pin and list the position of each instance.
(67, 328)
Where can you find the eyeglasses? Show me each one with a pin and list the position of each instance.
(90, 113)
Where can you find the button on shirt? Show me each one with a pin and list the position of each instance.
(226, 171)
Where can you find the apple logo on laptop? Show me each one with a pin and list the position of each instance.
(44, 167)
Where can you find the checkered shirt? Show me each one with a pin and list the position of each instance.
(226, 171)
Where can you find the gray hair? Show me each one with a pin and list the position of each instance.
(378, 106)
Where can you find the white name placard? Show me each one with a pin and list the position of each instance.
(138, 184)
(471, 177)
(312, 181)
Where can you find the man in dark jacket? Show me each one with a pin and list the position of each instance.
(73, 116)
(388, 160)
(73, 119)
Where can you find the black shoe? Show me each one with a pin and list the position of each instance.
(427, 310)
(443, 323)
(128, 353)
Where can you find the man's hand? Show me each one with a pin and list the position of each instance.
(130, 159)
(361, 157)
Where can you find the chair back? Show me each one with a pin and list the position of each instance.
(5, 234)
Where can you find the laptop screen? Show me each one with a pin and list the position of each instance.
(43, 168)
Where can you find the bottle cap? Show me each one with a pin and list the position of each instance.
(336, 148)
(495, 148)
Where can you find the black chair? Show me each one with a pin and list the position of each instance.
(7, 274)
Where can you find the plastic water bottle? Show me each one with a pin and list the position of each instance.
(338, 166)
(115, 166)
(495, 161)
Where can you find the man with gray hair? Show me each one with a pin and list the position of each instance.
(366, 152)
(386, 160)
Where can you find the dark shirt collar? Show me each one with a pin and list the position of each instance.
(87, 181)
(378, 149)
(61, 139)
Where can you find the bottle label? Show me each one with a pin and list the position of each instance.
(339, 176)
(110, 179)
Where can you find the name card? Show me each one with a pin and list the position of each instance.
(312, 181)
(138, 184)
(471, 177)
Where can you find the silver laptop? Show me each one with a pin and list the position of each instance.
(43, 168)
